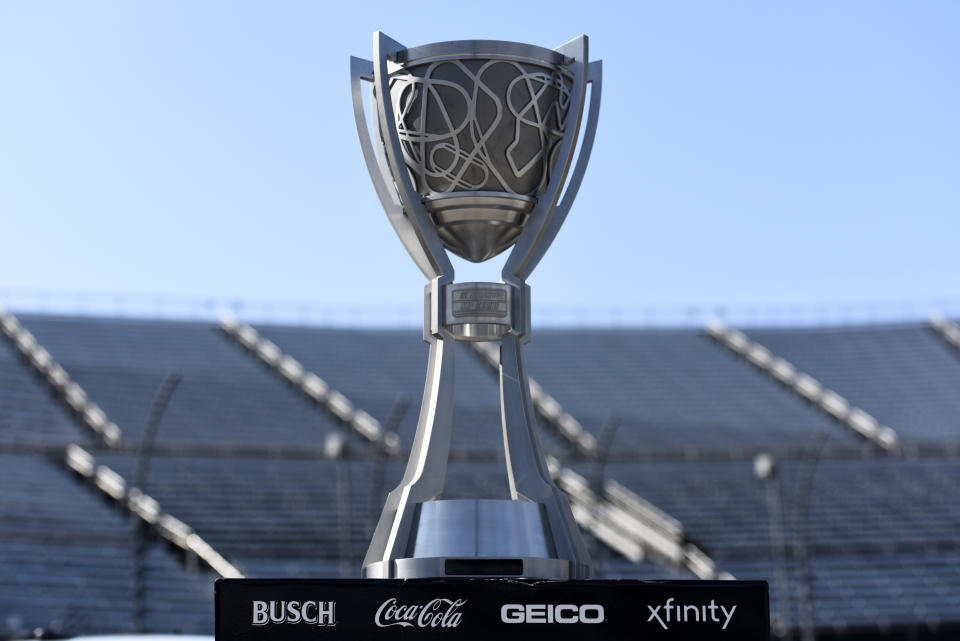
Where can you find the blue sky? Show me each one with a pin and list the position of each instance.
(787, 155)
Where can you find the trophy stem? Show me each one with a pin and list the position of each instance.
(426, 467)
(532, 534)
(527, 471)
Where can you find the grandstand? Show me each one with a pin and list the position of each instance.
(141, 459)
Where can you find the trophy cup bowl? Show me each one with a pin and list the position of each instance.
(480, 137)
(470, 151)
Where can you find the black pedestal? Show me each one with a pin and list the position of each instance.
(497, 609)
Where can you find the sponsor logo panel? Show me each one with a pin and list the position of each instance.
(293, 612)
(298, 611)
(437, 613)
(670, 612)
(551, 613)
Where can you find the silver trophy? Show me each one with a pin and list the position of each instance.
(471, 147)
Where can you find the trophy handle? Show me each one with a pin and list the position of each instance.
(548, 216)
(385, 47)
(527, 471)
(426, 468)
(363, 70)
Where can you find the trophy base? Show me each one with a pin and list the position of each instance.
(476, 538)
(500, 608)
(471, 567)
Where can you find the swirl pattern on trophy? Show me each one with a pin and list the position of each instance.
(480, 125)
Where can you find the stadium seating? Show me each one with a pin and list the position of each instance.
(853, 538)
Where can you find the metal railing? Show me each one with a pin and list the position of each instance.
(313, 388)
(145, 507)
(862, 423)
